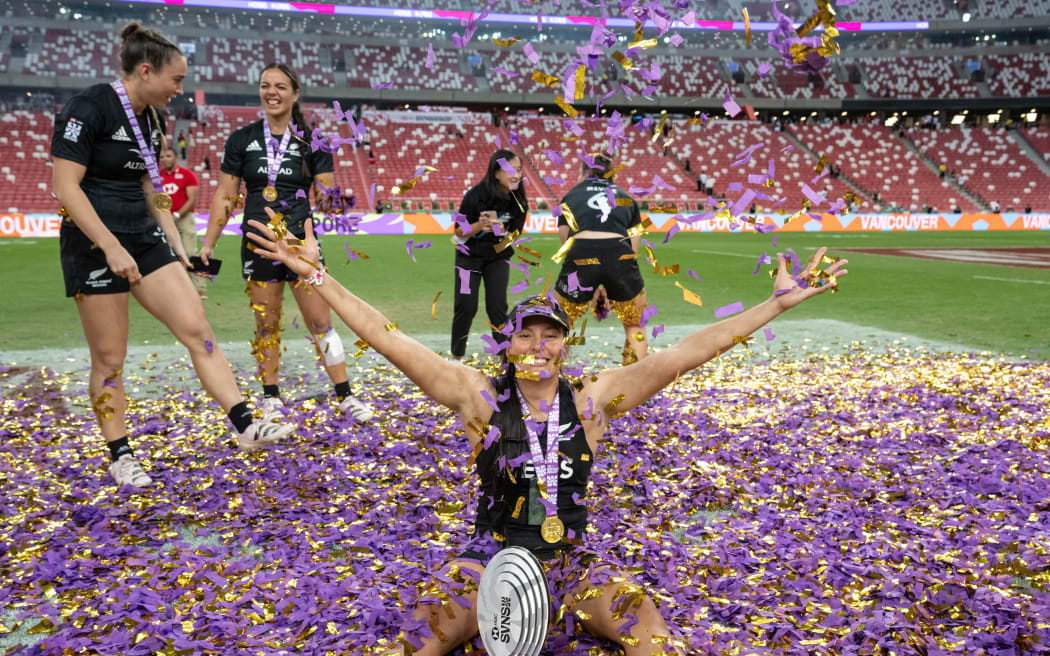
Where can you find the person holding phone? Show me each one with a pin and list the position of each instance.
(119, 240)
(279, 168)
(492, 215)
(181, 184)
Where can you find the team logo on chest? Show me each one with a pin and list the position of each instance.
(252, 147)
(121, 135)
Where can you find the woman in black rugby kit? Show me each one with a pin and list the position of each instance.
(604, 254)
(120, 238)
(481, 254)
(511, 510)
(279, 168)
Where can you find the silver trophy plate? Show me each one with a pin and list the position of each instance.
(513, 604)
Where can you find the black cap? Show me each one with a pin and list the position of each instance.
(536, 306)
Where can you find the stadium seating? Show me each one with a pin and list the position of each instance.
(1014, 8)
(916, 77)
(406, 68)
(25, 161)
(74, 53)
(878, 161)
(1040, 140)
(989, 162)
(1019, 75)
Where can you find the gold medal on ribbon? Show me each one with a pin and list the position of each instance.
(270, 193)
(162, 202)
(552, 530)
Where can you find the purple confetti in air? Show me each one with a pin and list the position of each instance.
(763, 259)
(488, 397)
(530, 52)
(208, 346)
(299, 193)
(648, 313)
(742, 203)
(727, 310)
(372, 196)
(349, 253)
(553, 155)
(690, 272)
(674, 229)
(735, 186)
(730, 105)
(464, 279)
(490, 437)
(775, 238)
(676, 39)
(756, 179)
(769, 334)
(461, 221)
(813, 196)
(429, 63)
(513, 138)
(553, 181)
(408, 247)
(503, 71)
(383, 85)
(764, 67)
(507, 168)
(657, 330)
(520, 286)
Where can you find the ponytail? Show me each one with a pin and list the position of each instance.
(138, 44)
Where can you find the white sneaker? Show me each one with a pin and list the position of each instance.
(262, 433)
(127, 471)
(272, 408)
(353, 408)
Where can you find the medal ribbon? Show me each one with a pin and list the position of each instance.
(148, 156)
(546, 465)
(275, 155)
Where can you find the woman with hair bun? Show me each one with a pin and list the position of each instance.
(119, 238)
(279, 168)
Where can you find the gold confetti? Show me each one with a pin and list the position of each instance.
(747, 28)
(560, 254)
(434, 306)
(669, 270)
(623, 60)
(689, 297)
(822, 163)
(580, 82)
(613, 171)
(570, 218)
(566, 107)
(659, 128)
(391, 327)
(644, 45)
(506, 43)
(357, 253)
(587, 261)
(539, 77)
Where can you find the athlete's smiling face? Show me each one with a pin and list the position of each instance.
(161, 85)
(277, 93)
(538, 346)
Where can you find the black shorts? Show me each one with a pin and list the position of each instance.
(84, 266)
(258, 268)
(607, 262)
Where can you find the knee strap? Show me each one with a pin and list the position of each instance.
(331, 348)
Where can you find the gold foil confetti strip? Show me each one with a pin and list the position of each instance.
(747, 28)
(570, 218)
(613, 171)
(688, 296)
(822, 163)
(551, 81)
(391, 327)
(566, 107)
(626, 63)
(560, 254)
(434, 306)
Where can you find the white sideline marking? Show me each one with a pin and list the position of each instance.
(750, 257)
(1033, 282)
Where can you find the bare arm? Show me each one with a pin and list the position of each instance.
(643, 379)
(193, 194)
(563, 233)
(453, 385)
(222, 204)
(66, 176)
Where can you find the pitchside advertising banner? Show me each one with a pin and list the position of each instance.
(47, 225)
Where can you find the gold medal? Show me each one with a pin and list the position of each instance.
(270, 193)
(552, 530)
(162, 202)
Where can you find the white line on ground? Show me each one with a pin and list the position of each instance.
(1034, 282)
(750, 257)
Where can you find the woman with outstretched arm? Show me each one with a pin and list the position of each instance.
(528, 499)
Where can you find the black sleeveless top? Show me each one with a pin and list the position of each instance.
(574, 464)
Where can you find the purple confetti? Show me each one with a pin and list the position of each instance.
(727, 310)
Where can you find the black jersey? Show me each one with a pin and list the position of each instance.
(512, 215)
(245, 157)
(589, 202)
(574, 460)
(93, 130)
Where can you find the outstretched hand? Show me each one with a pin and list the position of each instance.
(791, 290)
(300, 255)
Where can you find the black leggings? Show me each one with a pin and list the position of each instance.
(494, 269)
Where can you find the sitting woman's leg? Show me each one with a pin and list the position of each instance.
(446, 615)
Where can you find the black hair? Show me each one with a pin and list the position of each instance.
(297, 114)
(139, 44)
(491, 185)
(603, 163)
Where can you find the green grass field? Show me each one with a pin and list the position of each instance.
(934, 300)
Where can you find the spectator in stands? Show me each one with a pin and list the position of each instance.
(493, 215)
(181, 184)
(602, 260)
(687, 165)
(207, 163)
(182, 146)
(510, 507)
(279, 169)
(995, 206)
(120, 239)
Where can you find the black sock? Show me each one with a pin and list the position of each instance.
(240, 416)
(271, 390)
(118, 448)
(342, 390)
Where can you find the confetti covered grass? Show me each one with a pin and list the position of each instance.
(859, 502)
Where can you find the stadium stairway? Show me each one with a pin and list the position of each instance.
(930, 164)
(1028, 149)
(845, 179)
